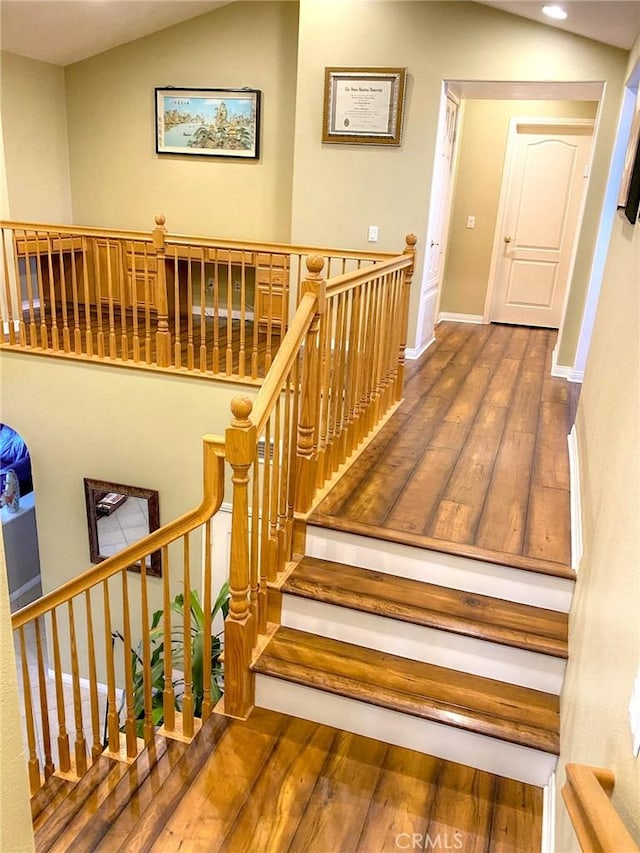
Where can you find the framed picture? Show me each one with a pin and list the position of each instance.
(208, 122)
(363, 105)
(629, 185)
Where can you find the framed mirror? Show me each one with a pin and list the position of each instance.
(119, 515)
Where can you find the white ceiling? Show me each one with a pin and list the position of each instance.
(66, 31)
(615, 22)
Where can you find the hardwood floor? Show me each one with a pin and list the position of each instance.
(277, 783)
(475, 461)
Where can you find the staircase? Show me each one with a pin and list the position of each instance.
(457, 658)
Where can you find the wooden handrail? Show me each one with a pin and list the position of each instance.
(346, 281)
(597, 825)
(283, 361)
(185, 240)
(213, 495)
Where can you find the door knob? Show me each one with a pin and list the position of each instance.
(507, 239)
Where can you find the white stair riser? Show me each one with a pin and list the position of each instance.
(524, 587)
(431, 645)
(474, 750)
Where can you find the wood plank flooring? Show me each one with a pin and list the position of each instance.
(475, 460)
(277, 783)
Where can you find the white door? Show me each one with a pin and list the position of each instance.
(545, 182)
(438, 216)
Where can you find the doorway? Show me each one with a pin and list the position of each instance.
(485, 112)
(545, 174)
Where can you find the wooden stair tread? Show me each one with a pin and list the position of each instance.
(482, 705)
(85, 797)
(473, 615)
(148, 825)
(148, 771)
(457, 549)
(48, 798)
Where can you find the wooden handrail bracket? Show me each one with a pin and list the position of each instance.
(597, 825)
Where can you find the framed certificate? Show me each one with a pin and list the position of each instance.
(363, 105)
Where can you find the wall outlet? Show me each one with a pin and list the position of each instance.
(210, 284)
(471, 222)
(237, 286)
(373, 234)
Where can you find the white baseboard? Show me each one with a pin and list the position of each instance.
(236, 314)
(576, 500)
(413, 353)
(85, 684)
(449, 317)
(564, 371)
(549, 816)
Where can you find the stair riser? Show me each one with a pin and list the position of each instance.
(474, 750)
(430, 645)
(524, 587)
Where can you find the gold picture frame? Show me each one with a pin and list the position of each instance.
(363, 106)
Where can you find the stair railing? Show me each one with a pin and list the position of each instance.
(57, 640)
(337, 374)
(154, 300)
(596, 823)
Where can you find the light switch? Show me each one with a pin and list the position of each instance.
(373, 234)
(471, 222)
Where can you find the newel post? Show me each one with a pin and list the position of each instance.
(163, 336)
(240, 441)
(409, 249)
(307, 430)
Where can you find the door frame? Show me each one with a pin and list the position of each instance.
(507, 172)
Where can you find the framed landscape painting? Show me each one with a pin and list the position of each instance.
(208, 122)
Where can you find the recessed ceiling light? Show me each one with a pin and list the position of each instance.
(556, 12)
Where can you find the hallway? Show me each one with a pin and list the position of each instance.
(475, 460)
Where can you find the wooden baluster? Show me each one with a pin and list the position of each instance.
(177, 311)
(33, 764)
(276, 467)
(324, 397)
(33, 333)
(380, 332)
(241, 450)
(96, 746)
(113, 720)
(243, 320)
(203, 317)
(135, 337)
(66, 339)
(168, 694)
(352, 367)
(147, 309)
(255, 333)
(80, 746)
(409, 249)
(87, 300)
(147, 675)
(284, 531)
(110, 303)
(64, 757)
(8, 316)
(308, 425)
(269, 330)
(55, 337)
(258, 569)
(292, 485)
(130, 719)
(44, 332)
(228, 367)
(187, 699)
(284, 313)
(99, 286)
(44, 704)
(266, 552)
(77, 334)
(338, 434)
(190, 347)
(207, 704)
(128, 297)
(163, 335)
